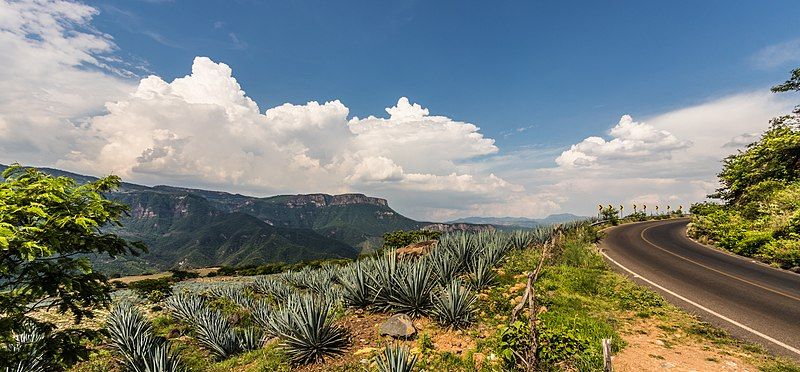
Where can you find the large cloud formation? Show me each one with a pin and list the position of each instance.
(203, 130)
(68, 100)
(57, 70)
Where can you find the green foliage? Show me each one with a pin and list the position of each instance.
(279, 267)
(180, 275)
(515, 339)
(402, 238)
(48, 226)
(395, 359)
(610, 214)
(152, 289)
(793, 84)
(761, 191)
(775, 157)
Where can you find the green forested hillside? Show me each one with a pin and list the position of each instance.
(760, 214)
(193, 228)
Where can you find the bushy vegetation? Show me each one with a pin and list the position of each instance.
(402, 238)
(48, 228)
(152, 289)
(760, 214)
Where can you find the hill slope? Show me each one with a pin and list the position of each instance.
(192, 228)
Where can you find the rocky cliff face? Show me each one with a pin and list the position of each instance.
(325, 200)
(453, 227)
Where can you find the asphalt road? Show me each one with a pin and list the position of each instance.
(750, 300)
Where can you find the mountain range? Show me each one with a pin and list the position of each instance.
(185, 228)
(519, 221)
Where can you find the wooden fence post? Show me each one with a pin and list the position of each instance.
(607, 355)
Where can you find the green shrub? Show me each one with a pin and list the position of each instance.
(783, 252)
(515, 339)
(152, 289)
(179, 275)
(402, 238)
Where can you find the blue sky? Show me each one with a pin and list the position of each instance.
(447, 109)
(567, 69)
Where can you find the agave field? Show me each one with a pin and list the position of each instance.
(297, 309)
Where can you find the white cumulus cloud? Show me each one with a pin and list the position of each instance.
(57, 70)
(203, 130)
(630, 140)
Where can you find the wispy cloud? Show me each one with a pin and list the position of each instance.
(507, 133)
(237, 43)
(133, 23)
(778, 54)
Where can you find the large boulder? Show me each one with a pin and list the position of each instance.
(398, 326)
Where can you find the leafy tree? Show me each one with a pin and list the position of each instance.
(402, 238)
(153, 289)
(793, 84)
(761, 191)
(48, 228)
(775, 158)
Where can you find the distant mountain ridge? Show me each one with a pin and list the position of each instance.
(185, 227)
(520, 221)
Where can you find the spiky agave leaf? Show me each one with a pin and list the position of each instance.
(216, 334)
(28, 349)
(237, 295)
(454, 305)
(279, 320)
(132, 335)
(319, 281)
(480, 273)
(308, 334)
(463, 248)
(261, 311)
(382, 281)
(356, 286)
(185, 307)
(445, 266)
(298, 279)
(276, 289)
(250, 338)
(160, 360)
(494, 251)
(395, 359)
(520, 239)
(412, 285)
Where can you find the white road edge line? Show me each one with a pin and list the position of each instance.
(701, 307)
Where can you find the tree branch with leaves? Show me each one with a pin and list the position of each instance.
(49, 227)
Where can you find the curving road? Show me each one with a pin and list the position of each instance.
(751, 300)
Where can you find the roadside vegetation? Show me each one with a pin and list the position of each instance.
(760, 211)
